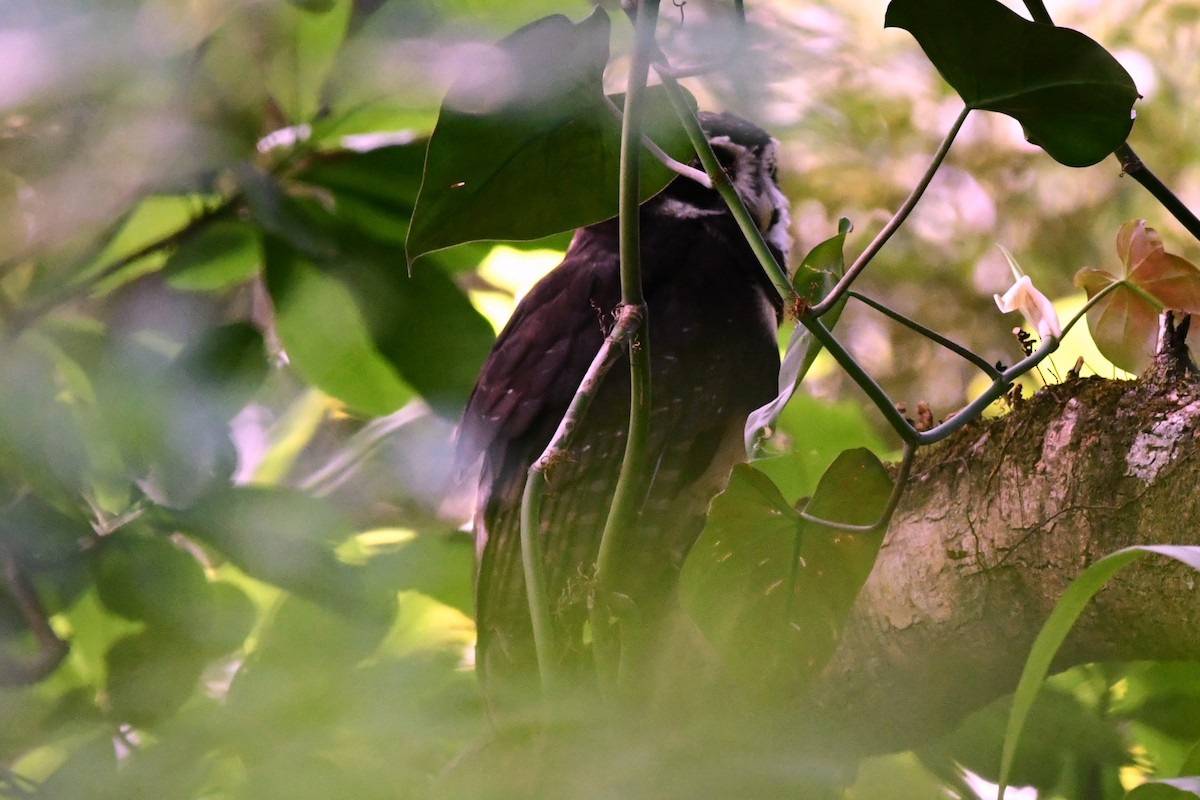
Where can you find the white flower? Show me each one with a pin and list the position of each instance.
(1036, 307)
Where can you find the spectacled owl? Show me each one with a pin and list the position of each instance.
(713, 318)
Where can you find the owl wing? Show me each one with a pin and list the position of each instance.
(523, 391)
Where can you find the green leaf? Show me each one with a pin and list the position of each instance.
(1059, 624)
(325, 335)
(281, 536)
(834, 564)
(771, 590)
(307, 36)
(225, 365)
(388, 176)
(52, 547)
(39, 436)
(431, 563)
(283, 216)
(819, 431)
(222, 255)
(149, 579)
(1167, 789)
(528, 146)
(222, 624)
(150, 675)
(352, 321)
(423, 324)
(817, 274)
(733, 583)
(1070, 95)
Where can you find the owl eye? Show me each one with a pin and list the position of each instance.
(727, 157)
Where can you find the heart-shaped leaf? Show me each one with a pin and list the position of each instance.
(1124, 323)
(1070, 95)
(528, 146)
(834, 564)
(769, 589)
(1171, 280)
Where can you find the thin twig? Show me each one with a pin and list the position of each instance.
(860, 376)
(1134, 167)
(712, 165)
(932, 335)
(50, 649)
(895, 222)
(678, 167)
(1037, 10)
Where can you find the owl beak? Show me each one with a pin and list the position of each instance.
(764, 214)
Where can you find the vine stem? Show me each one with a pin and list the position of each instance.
(881, 524)
(631, 481)
(954, 347)
(720, 181)
(50, 649)
(699, 176)
(894, 223)
(628, 319)
(999, 386)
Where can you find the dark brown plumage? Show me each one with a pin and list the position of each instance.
(714, 358)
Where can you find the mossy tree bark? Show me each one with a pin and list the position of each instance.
(995, 523)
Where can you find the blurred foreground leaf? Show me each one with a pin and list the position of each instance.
(284, 537)
(1056, 628)
(353, 322)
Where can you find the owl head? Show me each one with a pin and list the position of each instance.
(748, 155)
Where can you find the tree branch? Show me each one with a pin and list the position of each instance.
(997, 520)
(50, 649)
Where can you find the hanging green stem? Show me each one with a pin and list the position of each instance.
(629, 318)
(720, 181)
(633, 468)
(895, 222)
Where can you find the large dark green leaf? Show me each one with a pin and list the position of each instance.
(769, 589)
(834, 564)
(1070, 95)
(528, 146)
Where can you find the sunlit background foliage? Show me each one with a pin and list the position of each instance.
(227, 478)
